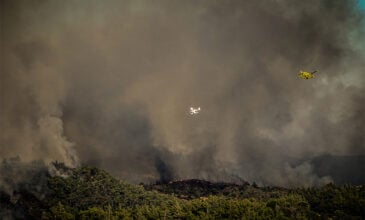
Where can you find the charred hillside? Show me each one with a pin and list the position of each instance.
(195, 188)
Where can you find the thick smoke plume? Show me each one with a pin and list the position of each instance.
(110, 83)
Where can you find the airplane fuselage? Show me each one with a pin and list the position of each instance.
(194, 111)
(305, 75)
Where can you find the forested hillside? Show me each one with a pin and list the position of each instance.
(91, 193)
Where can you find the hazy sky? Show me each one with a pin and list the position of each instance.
(361, 4)
(110, 83)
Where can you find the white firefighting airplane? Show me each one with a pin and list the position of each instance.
(194, 111)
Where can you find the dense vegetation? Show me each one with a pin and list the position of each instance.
(91, 193)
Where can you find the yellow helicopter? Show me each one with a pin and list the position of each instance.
(306, 75)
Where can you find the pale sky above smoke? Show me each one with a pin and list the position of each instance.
(109, 82)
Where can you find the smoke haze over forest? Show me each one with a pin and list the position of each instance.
(110, 83)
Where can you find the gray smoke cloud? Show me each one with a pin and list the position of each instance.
(110, 83)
